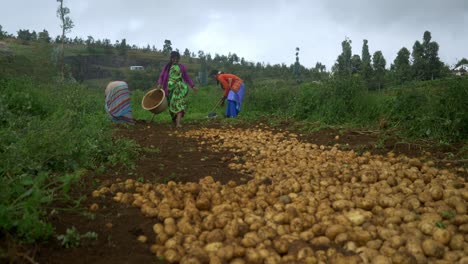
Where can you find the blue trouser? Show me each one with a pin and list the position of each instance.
(231, 109)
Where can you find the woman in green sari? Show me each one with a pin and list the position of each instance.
(175, 82)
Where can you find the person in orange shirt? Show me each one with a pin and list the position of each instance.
(234, 88)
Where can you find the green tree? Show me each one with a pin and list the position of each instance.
(167, 48)
(343, 62)
(401, 66)
(297, 65)
(66, 25)
(3, 34)
(202, 77)
(356, 64)
(426, 62)
(462, 61)
(44, 36)
(378, 65)
(24, 35)
(122, 48)
(431, 50)
(187, 52)
(418, 65)
(366, 68)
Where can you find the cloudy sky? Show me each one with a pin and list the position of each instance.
(259, 30)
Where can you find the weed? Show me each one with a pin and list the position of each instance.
(140, 179)
(151, 150)
(72, 238)
(447, 214)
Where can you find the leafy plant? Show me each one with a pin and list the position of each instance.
(72, 238)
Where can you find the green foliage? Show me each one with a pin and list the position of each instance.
(72, 238)
(378, 64)
(343, 62)
(366, 69)
(401, 66)
(142, 80)
(46, 131)
(332, 101)
(426, 62)
(436, 110)
(460, 62)
(167, 48)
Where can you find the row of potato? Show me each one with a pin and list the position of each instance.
(306, 204)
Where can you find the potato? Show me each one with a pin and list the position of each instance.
(341, 205)
(281, 246)
(250, 239)
(463, 260)
(381, 259)
(226, 253)
(272, 259)
(239, 251)
(170, 229)
(433, 248)
(339, 258)
(457, 242)
(442, 236)
(142, 239)
(189, 260)
(367, 254)
(237, 261)
(213, 247)
(172, 256)
(361, 236)
(332, 231)
(340, 239)
(358, 216)
(374, 244)
(413, 245)
(216, 235)
(387, 250)
(253, 256)
(427, 227)
(403, 257)
(453, 256)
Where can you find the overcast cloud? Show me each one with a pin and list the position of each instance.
(258, 30)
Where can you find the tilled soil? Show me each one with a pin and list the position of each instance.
(166, 157)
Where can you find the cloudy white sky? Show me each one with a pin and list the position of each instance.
(259, 30)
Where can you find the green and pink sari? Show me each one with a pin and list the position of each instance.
(177, 92)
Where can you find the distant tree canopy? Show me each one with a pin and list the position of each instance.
(462, 61)
(378, 65)
(343, 62)
(167, 48)
(426, 62)
(366, 69)
(422, 63)
(401, 66)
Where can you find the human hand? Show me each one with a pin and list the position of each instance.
(159, 86)
(223, 99)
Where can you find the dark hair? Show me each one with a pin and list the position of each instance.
(213, 72)
(174, 54)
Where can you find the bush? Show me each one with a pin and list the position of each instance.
(48, 134)
(436, 110)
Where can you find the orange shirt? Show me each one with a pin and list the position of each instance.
(229, 82)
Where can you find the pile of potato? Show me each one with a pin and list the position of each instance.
(305, 204)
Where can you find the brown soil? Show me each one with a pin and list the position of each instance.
(165, 157)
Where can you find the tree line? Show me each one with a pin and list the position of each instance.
(421, 63)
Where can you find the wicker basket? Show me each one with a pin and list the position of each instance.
(154, 101)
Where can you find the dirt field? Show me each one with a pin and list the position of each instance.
(167, 157)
